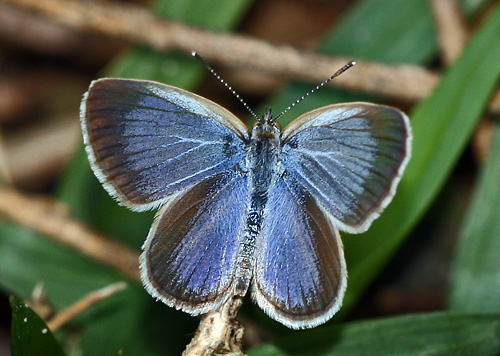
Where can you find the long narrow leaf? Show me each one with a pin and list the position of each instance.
(475, 283)
(436, 334)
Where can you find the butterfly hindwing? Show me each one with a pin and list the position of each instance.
(190, 254)
(350, 157)
(300, 273)
(148, 140)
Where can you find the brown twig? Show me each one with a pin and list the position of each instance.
(41, 151)
(51, 221)
(139, 26)
(5, 174)
(218, 333)
(90, 299)
(482, 140)
(451, 28)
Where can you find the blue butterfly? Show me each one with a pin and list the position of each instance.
(240, 210)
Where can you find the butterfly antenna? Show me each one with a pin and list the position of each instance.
(320, 85)
(209, 67)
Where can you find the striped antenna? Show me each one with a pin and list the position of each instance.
(322, 84)
(209, 67)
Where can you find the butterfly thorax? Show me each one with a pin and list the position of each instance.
(262, 164)
(263, 155)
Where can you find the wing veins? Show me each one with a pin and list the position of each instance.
(171, 184)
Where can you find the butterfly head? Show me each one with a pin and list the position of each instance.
(266, 126)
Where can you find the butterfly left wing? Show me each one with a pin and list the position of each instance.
(190, 255)
(300, 273)
(147, 140)
(350, 157)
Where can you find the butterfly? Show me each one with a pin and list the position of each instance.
(240, 210)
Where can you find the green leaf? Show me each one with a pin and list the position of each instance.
(442, 125)
(389, 31)
(472, 7)
(475, 282)
(436, 334)
(28, 258)
(220, 16)
(382, 30)
(30, 336)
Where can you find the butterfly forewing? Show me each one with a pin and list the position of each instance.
(350, 157)
(190, 254)
(147, 140)
(300, 274)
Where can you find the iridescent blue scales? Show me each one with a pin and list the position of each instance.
(240, 210)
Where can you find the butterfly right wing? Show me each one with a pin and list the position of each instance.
(190, 255)
(146, 140)
(350, 157)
